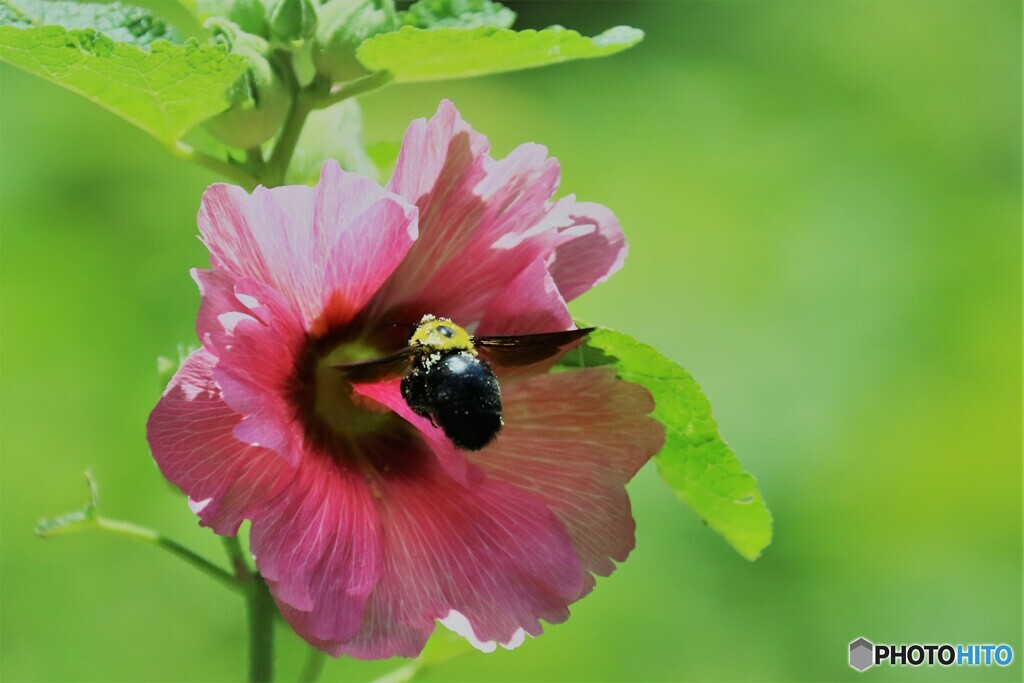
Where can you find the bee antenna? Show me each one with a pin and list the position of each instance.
(405, 325)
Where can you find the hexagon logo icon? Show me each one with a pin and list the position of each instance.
(862, 654)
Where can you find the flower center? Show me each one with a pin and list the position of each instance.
(336, 419)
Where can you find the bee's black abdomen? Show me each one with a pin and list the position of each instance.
(416, 391)
(467, 401)
(460, 393)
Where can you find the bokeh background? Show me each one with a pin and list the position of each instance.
(824, 207)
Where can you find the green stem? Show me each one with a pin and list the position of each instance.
(301, 107)
(314, 665)
(254, 160)
(221, 166)
(261, 631)
(261, 612)
(389, 11)
(277, 167)
(359, 86)
(152, 537)
(237, 557)
(317, 95)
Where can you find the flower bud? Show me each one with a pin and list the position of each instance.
(248, 14)
(291, 19)
(344, 24)
(259, 98)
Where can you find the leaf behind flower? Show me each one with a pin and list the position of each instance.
(416, 54)
(695, 461)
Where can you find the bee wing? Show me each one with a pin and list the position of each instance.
(377, 369)
(527, 349)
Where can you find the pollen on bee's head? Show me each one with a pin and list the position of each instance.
(441, 334)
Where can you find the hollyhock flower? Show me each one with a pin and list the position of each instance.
(366, 522)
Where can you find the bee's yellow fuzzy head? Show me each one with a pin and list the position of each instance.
(441, 334)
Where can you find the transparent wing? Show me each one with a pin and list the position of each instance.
(527, 348)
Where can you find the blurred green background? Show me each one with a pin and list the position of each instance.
(824, 207)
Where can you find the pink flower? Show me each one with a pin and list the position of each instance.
(367, 524)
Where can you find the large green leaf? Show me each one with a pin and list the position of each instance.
(121, 23)
(695, 461)
(161, 87)
(416, 54)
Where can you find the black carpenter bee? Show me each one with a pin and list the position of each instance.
(445, 380)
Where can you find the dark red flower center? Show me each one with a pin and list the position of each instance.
(338, 422)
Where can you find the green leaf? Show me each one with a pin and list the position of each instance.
(457, 14)
(443, 647)
(416, 54)
(73, 521)
(164, 90)
(695, 461)
(121, 23)
(332, 133)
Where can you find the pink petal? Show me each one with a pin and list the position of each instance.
(529, 304)
(514, 226)
(440, 163)
(492, 552)
(454, 269)
(190, 434)
(262, 236)
(334, 244)
(255, 367)
(217, 297)
(589, 240)
(517, 190)
(361, 257)
(319, 547)
(389, 394)
(432, 148)
(575, 439)
(483, 221)
(587, 261)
